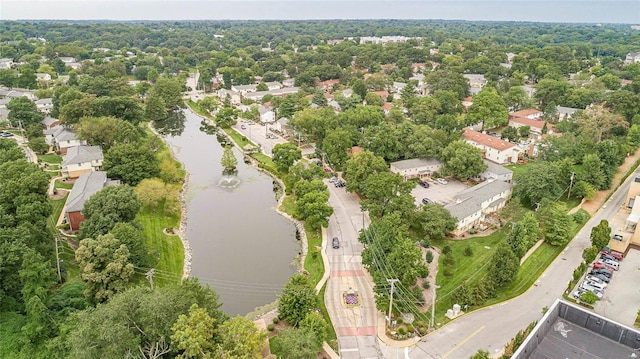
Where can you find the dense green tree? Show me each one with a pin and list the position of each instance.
(557, 223)
(297, 343)
(132, 237)
(241, 339)
(462, 160)
(315, 323)
(228, 160)
(107, 207)
(373, 99)
(297, 299)
(382, 140)
(539, 181)
(510, 133)
(193, 334)
(170, 91)
(359, 88)
(448, 80)
(589, 254)
(104, 266)
(155, 108)
(517, 99)
(593, 172)
(435, 221)
(523, 235)
(23, 111)
(313, 208)
(386, 193)
(489, 108)
(360, 167)
(335, 145)
(601, 234)
(131, 162)
(285, 155)
(504, 266)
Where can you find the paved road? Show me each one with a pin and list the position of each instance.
(192, 82)
(355, 326)
(491, 328)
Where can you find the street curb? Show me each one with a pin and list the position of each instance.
(325, 261)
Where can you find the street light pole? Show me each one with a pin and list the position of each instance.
(393, 287)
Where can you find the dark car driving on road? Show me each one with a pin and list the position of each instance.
(336, 242)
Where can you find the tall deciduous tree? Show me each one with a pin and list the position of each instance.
(284, 156)
(298, 298)
(489, 108)
(109, 206)
(228, 160)
(297, 343)
(131, 162)
(601, 234)
(504, 266)
(435, 221)
(104, 266)
(462, 160)
(133, 238)
(240, 339)
(360, 167)
(193, 334)
(22, 110)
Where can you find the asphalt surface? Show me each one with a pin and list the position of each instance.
(491, 328)
(621, 300)
(355, 325)
(258, 134)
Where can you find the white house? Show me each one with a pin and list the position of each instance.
(281, 124)
(244, 89)
(273, 85)
(472, 206)
(81, 159)
(266, 114)
(467, 102)
(496, 172)
(475, 80)
(62, 138)
(289, 82)
(416, 167)
(530, 113)
(535, 126)
(234, 96)
(43, 79)
(632, 58)
(493, 148)
(44, 105)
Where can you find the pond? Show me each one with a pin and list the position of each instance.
(239, 244)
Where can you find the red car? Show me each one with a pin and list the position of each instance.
(598, 265)
(617, 255)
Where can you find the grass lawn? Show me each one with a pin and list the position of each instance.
(313, 261)
(238, 138)
(332, 338)
(63, 185)
(199, 110)
(170, 253)
(50, 158)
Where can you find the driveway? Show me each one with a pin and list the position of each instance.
(258, 134)
(621, 299)
(439, 193)
(355, 325)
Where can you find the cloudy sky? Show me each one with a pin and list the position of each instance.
(590, 11)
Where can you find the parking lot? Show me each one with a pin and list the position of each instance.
(439, 193)
(621, 299)
(258, 134)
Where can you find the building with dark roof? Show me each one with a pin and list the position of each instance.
(85, 186)
(416, 167)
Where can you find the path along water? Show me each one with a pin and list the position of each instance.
(239, 244)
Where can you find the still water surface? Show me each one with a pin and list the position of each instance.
(239, 244)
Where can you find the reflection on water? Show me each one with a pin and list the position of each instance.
(173, 125)
(240, 245)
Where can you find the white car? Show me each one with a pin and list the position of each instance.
(595, 279)
(442, 181)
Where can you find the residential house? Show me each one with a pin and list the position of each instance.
(43, 79)
(530, 113)
(258, 95)
(536, 126)
(85, 186)
(244, 89)
(266, 114)
(496, 172)
(289, 82)
(347, 93)
(81, 159)
(565, 113)
(273, 85)
(386, 107)
(418, 67)
(467, 102)
(335, 105)
(328, 85)
(383, 94)
(62, 138)
(493, 148)
(398, 86)
(44, 105)
(49, 122)
(281, 124)
(234, 96)
(416, 167)
(6, 64)
(476, 82)
(632, 58)
(472, 206)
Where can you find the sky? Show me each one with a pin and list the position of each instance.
(575, 11)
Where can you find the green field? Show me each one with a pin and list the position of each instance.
(50, 158)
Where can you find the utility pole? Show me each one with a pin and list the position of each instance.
(393, 287)
(58, 261)
(571, 184)
(149, 276)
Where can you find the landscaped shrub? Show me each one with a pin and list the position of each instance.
(426, 284)
(468, 251)
(580, 217)
(422, 330)
(446, 250)
(410, 328)
(428, 257)
(276, 320)
(423, 272)
(425, 243)
(270, 327)
(449, 261)
(402, 331)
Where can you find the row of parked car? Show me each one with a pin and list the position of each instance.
(338, 183)
(600, 275)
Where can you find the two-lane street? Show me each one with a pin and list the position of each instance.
(355, 324)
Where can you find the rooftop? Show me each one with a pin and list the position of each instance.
(80, 154)
(496, 168)
(85, 186)
(470, 200)
(528, 122)
(415, 162)
(526, 112)
(487, 140)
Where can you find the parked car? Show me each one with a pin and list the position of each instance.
(602, 277)
(597, 279)
(598, 286)
(592, 289)
(617, 255)
(423, 184)
(610, 263)
(442, 181)
(6, 134)
(336, 243)
(333, 179)
(605, 256)
(602, 271)
(601, 265)
(578, 293)
(243, 127)
(339, 184)
(427, 201)
(617, 237)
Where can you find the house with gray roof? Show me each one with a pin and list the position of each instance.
(85, 186)
(49, 122)
(81, 159)
(416, 167)
(496, 172)
(62, 138)
(565, 113)
(44, 105)
(472, 206)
